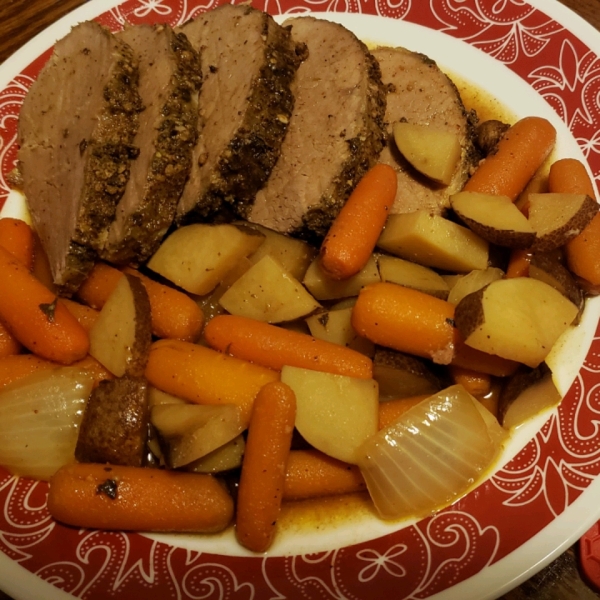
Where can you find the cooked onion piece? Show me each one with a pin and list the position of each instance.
(39, 419)
(431, 456)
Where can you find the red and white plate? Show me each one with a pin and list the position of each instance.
(537, 58)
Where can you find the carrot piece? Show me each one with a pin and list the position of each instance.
(138, 499)
(8, 342)
(16, 367)
(583, 252)
(84, 314)
(205, 376)
(406, 320)
(312, 474)
(519, 154)
(518, 263)
(356, 229)
(263, 470)
(476, 360)
(476, 383)
(99, 285)
(17, 237)
(273, 347)
(33, 316)
(174, 314)
(391, 410)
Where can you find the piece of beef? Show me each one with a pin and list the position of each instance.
(335, 133)
(169, 82)
(248, 63)
(421, 93)
(76, 130)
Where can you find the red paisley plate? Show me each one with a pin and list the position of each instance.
(537, 58)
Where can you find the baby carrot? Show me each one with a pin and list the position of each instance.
(391, 410)
(476, 383)
(205, 376)
(84, 314)
(312, 474)
(174, 314)
(35, 318)
(99, 285)
(476, 360)
(570, 176)
(406, 320)
(273, 347)
(18, 366)
(356, 229)
(263, 470)
(17, 237)
(138, 499)
(8, 342)
(519, 154)
(518, 263)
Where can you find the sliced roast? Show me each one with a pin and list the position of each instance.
(76, 132)
(420, 92)
(335, 133)
(169, 82)
(248, 63)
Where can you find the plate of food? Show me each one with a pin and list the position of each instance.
(209, 287)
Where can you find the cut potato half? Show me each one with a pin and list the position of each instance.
(433, 241)
(323, 287)
(433, 152)
(472, 282)
(191, 431)
(407, 273)
(267, 292)
(519, 319)
(121, 336)
(197, 257)
(494, 218)
(558, 218)
(334, 413)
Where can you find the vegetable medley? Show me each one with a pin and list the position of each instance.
(392, 361)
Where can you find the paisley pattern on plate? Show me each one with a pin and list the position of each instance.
(519, 501)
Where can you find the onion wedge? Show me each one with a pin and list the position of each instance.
(431, 456)
(39, 421)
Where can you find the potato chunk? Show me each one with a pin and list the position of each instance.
(121, 336)
(519, 319)
(494, 218)
(407, 273)
(433, 152)
(267, 292)
(432, 241)
(558, 218)
(334, 413)
(197, 257)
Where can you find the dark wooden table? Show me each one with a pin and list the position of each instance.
(20, 20)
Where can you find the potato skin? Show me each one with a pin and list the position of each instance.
(470, 315)
(143, 327)
(114, 428)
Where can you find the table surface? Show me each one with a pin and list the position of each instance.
(22, 19)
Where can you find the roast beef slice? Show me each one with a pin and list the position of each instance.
(76, 131)
(248, 63)
(335, 133)
(421, 93)
(169, 83)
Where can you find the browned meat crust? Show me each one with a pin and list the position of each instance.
(76, 130)
(248, 63)
(335, 134)
(170, 79)
(421, 93)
